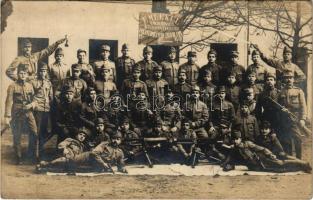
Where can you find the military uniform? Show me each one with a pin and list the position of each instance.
(186, 149)
(156, 87)
(31, 60)
(292, 98)
(215, 70)
(43, 96)
(78, 84)
(66, 116)
(99, 64)
(282, 66)
(124, 67)
(87, 73)
(170, 70)
(233, 94)
(234, 68)
(99, 136)
(192, 70)
(19, 95)
(105, 88)
(182, 88)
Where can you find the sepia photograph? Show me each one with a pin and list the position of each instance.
(156, 99)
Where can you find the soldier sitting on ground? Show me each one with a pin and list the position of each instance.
(109, 153)
(99, 134)
(185, 134)
(74, 152)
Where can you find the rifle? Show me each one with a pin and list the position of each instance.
(292, 117)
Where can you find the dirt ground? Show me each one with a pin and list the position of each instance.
(22, 182)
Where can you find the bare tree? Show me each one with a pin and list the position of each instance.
(290, 21)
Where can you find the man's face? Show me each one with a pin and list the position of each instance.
(106, 74)
(224, 130)
(125, 126)
(244, 109)
(81, 57)
(251, 78)
(76, 73)
(100, 127)
(125, 52)
(92, 95)
(234, 59)
(222, 95)
(195, 94)
(69, 96)
(172, 55)
(237, 141)
(105, 54)
(157, 74)
(136, 75)
(116, 141)
(289, 80)
(186, 126)
(287, 56)
(270, 81)
(147, 55)
(192, 59)
(211, 58)
(231, 79)
(256, 59)
(43, 73)
(250, 96)
(81, 137)
(22, 75)
(182, 77)
(27, 50)
(207, 78)
(141, 96)
(265, 131)
(59, 58)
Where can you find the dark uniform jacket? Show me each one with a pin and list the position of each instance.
(170, 72)
(192, 72)
(124, 66)
(43, 94)
(197, 112)
(270, 142)
(222, 110)
(130, 86)
(73, 146)
(237, 69)
(146, 69)
(215, 70)
(156, 87)
(249, 127)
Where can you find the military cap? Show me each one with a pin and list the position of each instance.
(68, 88)
(248, 90)
(125, 120)
(195, 88)
(207, 72)
(287, 50)
(59, 51)
(270, 74)
(244, 103)
(117, 134)
(81, 50)
(255, 52)
(27, 43)
(157, 68)
(251, 72)
(42, 66)
(76, 67)
(221, 88)
(236, 134)
(191, 54)
(234, 54)
(84, 130)
(185, 120)
(224, 123)
(105, 47)
(147, 49)
(172, 50)
(100, 121)
(265, 124)
(231, 73)
(136, 67)
(22, 67)
(125, 46)
(212, 51)
(182, 71)
(288, 73)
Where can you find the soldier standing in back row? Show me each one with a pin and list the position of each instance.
(283, 65)
(191, 68)
(292, 98)
(87, 73)
(18, 105)
(147, 64)
(233, 67)
(170, 68)
(105, 62)
(30, 59)
(124, 65)
(212, 66)
(58, 71)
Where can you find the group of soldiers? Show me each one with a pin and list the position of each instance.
(227, 114)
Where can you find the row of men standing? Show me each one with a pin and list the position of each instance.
(144, 76)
